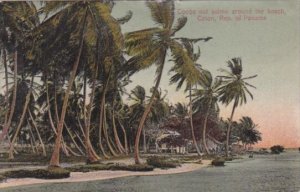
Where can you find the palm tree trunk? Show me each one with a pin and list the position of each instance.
(90, 152)
(145, 115)
(80, 126)
(72, 138)
(13, 103)
(101, 115)
(27, 100)
(144, 141)
(38, 133)
(112, 151)
(192, 124)
(125, 136)
(229, 128)
(204, 128)
(55, 155)
(6, 86)
(117, 139)
(101, 127)
(51, 120)
(33, 139)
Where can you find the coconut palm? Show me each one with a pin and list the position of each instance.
(17, 21)
(206, 98)
(150, 46)
(180, 78)
(248, 133)
(234, 89)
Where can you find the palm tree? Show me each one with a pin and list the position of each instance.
(234, 89)
(150, 46)
(248, 133)
(17, 20)
(179, 77)
(206, 98)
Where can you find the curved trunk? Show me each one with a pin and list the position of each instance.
(101, 128)
(90, 152)
(6, 86)
(107, 138)
(27, 100)
(13, 103)
(51, 120)
(72, 138)
(229, 128)
(204, 129)
(125, 136)
(11, 147)
(55, 155)
(101, 116)
(117, 139)
(192, 125)
(33, 139)
(145, 114)
(38, 133)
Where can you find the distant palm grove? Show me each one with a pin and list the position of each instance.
(64, 69)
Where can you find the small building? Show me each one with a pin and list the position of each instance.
(171, 142)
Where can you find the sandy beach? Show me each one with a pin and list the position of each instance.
(103, 175)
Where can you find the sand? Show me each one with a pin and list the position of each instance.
(103, 175)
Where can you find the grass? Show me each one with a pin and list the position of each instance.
(114, 167)
(49, 173)
(162, 162)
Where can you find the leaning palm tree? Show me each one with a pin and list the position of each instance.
(206, 98)
(234, 89)
(180, 78)
(150, 46)
(17, 19)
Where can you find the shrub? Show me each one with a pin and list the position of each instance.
(50, 173)
(158, 162)
(276, 149)
(218, 162)
(134, 167)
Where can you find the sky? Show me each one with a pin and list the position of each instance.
(269, 47)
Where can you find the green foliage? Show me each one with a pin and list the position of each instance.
(161, 162)
(50, 173)
(234, 87)
(114, 167)
(277, 149)
(218, 162)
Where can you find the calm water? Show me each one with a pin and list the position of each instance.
(263, 173)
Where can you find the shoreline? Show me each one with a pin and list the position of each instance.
(104, 175)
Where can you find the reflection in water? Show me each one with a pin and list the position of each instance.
(262, 173)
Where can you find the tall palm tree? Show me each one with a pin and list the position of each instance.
(206, 98)
(17, 19)
(179, 77)
(150, 46)
(234, 89)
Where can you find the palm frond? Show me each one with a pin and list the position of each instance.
(181, 22)
(126, 18)
(162, 13)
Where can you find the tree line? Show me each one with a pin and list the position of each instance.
(66, 66)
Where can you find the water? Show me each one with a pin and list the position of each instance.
(262, 173)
